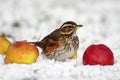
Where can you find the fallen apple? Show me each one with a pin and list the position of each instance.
(98, 54)
(4, 44)
(74, 56)
(21, 52)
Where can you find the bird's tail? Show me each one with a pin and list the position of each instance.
(36, 43)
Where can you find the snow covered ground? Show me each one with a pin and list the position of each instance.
(33, 19)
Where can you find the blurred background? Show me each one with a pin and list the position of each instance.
(34, 19)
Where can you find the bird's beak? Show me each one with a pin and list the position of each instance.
(78, 26)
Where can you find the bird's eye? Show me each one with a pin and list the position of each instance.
(70, 27)
(67, 28)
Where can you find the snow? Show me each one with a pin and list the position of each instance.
(36, 19)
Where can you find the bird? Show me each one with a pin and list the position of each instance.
(62, 43)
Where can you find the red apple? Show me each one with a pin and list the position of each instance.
(21, 52)
(98, 54)
(4, 44)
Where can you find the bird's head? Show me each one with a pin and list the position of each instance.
(69, 28)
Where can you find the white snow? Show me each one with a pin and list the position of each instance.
(37, 18)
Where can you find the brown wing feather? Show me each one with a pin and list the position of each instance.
(51, 39)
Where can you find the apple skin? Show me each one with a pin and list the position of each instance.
(21, 52)
(74, 56)
(98, 54)
(4, 45)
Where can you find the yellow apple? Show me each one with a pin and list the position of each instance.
(74, 56)
(4, 44)
(21, 52)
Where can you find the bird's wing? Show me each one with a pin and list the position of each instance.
(50, 40)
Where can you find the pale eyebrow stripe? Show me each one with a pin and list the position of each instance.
(67, 25)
